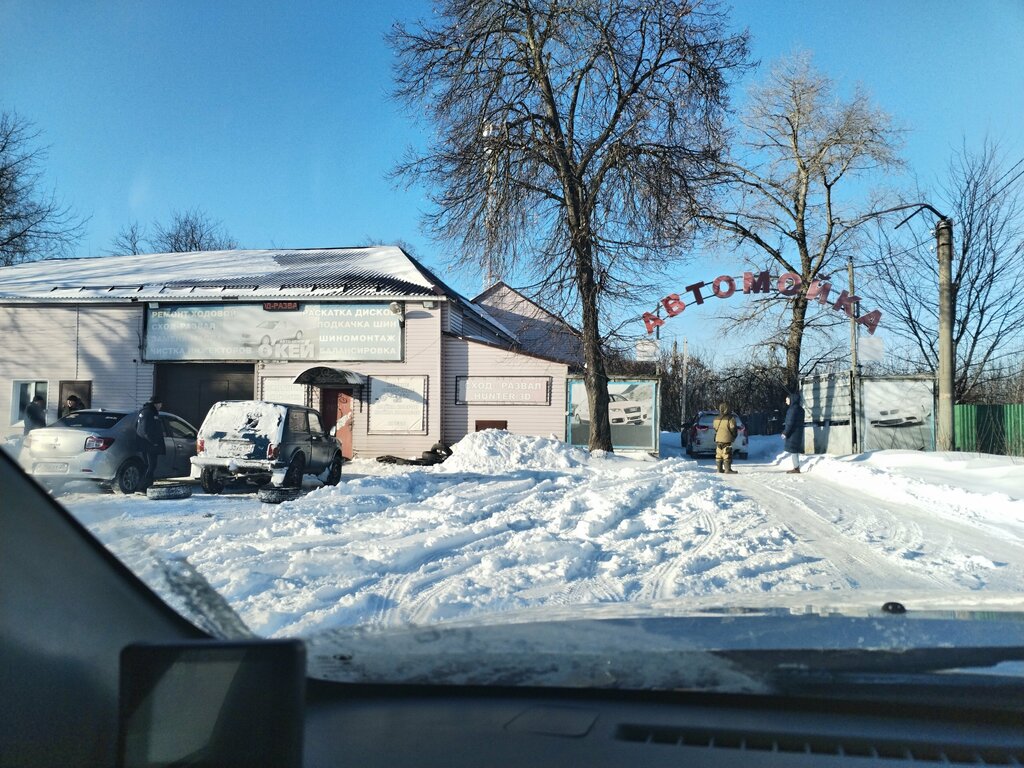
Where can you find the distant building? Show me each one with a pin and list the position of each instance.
(536, 329)
(368, 336)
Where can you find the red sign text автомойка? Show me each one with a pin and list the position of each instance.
(788, 284)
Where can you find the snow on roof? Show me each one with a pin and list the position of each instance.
(379, 272)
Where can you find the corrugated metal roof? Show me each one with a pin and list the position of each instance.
(353, 273)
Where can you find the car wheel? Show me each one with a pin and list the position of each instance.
(211, 480)
(272, 494)
(128, 478)
(169, 491)
(296, 469)
(334, 472)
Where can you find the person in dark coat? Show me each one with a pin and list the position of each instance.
(35, 414)
(150, 432)
(793, 431)
(72, 404)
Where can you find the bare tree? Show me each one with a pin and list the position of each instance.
(129, 241)
(33, 223)
(572, 139)
(801, 144)
(189, 231)
(985, 198)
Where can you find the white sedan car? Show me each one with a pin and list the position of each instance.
(699, 438)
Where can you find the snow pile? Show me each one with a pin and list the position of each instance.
(494, 451)
(958, 485)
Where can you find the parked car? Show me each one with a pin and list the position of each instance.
(264, 442)
(698, 436)
(100, 445)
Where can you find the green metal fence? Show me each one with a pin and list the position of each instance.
(990, 429)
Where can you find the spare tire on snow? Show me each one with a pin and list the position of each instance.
(169, 491)
(275, 494)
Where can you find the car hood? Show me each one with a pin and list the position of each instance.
(724, 648)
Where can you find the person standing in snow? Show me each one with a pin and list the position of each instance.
(35, 414)
(793, 431)
(150, 432)
(725, 433)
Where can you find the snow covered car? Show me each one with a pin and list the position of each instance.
(264, 442)
(699, 437)
(622, 410)
(100, 445)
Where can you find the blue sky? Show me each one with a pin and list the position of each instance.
(275, 117)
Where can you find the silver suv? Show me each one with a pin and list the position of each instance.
(264, 442)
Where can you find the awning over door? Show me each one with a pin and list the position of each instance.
(322, 376)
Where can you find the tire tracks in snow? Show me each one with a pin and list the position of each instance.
(831, 523)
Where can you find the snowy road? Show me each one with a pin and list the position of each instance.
(866, 541)
(511, 523)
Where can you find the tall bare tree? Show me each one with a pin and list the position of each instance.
(572, 140)
(188, 231)
(801, 146)
(984, 195)
(33, 223)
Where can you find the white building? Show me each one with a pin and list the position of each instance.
(368, 336)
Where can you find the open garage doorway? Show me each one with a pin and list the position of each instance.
(189, 389)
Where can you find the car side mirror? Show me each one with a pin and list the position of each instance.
(334, 431)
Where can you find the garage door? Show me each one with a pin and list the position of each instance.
(189, 389)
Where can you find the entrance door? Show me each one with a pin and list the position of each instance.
(336, 409)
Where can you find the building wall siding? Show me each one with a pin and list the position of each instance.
(422, 358)
(461, 357)
(75, 342)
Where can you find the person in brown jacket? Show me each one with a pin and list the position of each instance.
(725, 432)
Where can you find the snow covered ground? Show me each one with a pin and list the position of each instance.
(511, 522)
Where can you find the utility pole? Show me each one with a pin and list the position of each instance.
(947, 360)
(686, 361)
(947, 363)
(854, 367)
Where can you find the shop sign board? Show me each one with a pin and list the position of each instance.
(503, 390)
(397, 405)
(313, 331)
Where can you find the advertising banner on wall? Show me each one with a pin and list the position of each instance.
(897, 413)
(330, 332)
(398, 405)
(503, 390)
(633, 412)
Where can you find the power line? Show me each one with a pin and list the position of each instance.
(1002, 189)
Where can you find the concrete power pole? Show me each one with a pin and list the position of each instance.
(854, 365)
(947, 362)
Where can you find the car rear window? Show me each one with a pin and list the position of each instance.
(90, 420)
(708, 418)
(244, 418)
